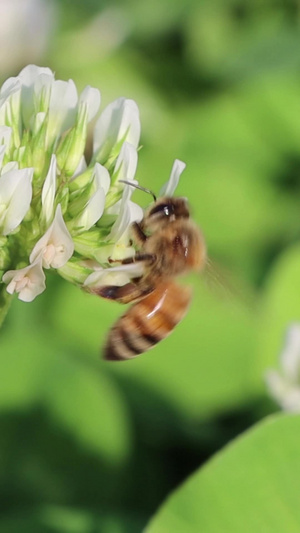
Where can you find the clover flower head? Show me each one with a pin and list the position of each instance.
(58, 209)
(284, 385)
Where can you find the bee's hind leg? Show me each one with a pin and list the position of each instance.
(124, 294)
(137, 258)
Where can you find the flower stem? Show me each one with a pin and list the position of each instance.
(5, 301)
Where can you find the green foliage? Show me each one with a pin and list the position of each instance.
(249, 486)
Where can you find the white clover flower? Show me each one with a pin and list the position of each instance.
(284, 385)
(55, 247)
(59, 209)
(27, 282)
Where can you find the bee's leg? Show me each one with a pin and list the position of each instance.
(125, 294)
(138, 257)
(138, 234)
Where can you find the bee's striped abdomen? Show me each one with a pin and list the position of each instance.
(147, 322)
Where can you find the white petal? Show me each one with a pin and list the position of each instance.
(276, 384)
(169, 187)
(290, 357)
(11, 165)
(62, 108)
(119, 120)
(101, 177)
(10, 95)
(136, 212)
(2, 152)
(33, 79)
(81, 167)
(92, 211)
(123, 220)
(120, 232)
(92, 98)
(121, 225)
(38, 120)
(56, 246)
(64, 100)
(119, 275)
(15, 195)
(115, 208)
(48, 191)
(9, 87)
(291, 400)
(129, 212)
(127, 162)
(28, 282)
(5, 135)
(29, 74)
(130, 124)
(286, 395)
(42, 91)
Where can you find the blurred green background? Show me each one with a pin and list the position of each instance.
(88, 446)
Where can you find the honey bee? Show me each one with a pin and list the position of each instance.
(169, 244)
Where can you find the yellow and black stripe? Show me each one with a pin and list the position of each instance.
(147, 322)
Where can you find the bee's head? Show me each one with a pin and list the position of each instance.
(166, 210)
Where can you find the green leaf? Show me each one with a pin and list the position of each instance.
(251, 485)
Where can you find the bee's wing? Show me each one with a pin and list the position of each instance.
(222, 285)
(147, 322)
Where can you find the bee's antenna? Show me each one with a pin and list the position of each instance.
(139, 187)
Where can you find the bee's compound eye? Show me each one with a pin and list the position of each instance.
(164, 209)
(168, 210)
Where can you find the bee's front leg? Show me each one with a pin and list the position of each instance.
(137, 233)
